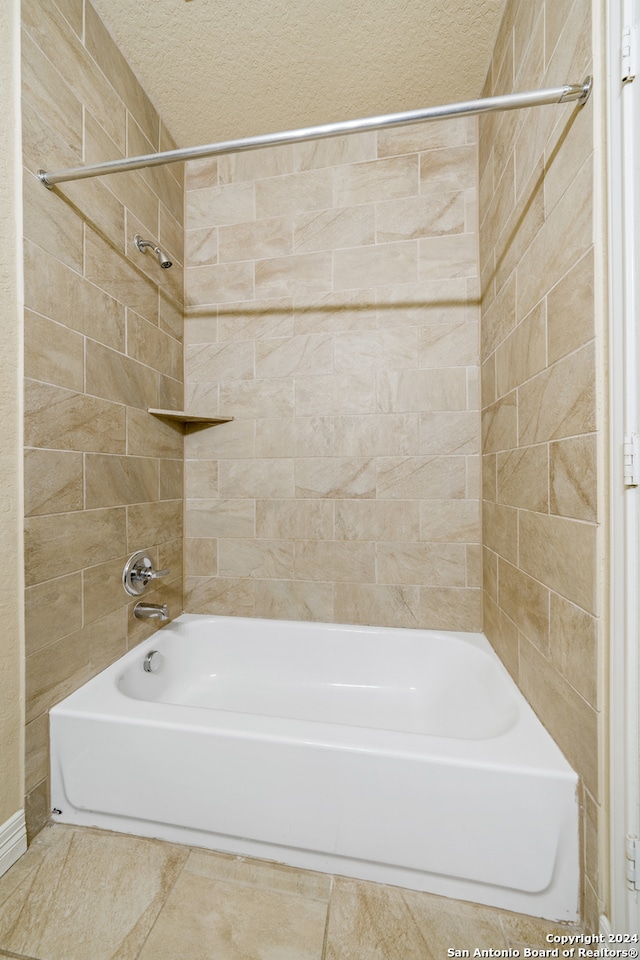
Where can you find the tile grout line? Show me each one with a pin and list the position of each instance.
(17, 956)
(325, 938)
(29, 881)
(164, 902)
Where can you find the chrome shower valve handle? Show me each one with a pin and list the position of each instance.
(139, 572)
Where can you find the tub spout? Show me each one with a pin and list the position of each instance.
(151, 611)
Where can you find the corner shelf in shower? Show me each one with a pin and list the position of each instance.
(181, 416)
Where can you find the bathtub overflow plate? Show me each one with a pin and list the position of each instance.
(151, 662)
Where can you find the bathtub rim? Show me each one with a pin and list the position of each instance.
(95, 698)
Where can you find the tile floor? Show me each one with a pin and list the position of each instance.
(84, 894)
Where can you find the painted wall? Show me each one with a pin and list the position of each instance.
(542, 349)
(11, 581)
(103, 332)
(332, 308)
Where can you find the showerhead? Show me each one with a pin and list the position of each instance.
(162, 258)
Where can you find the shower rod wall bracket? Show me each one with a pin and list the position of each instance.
(576, 92)
(580, 94)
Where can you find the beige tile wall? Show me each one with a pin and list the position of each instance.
(11, 582)
(541, 423)
(332, 309)
(103, 341)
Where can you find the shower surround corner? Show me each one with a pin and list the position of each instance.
(544, 393)
(103, 342)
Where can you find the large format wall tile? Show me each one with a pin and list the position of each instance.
(61, 543)
(66, 420)
(333, 312)
(103, 342)
(53, 353)
(542, 341)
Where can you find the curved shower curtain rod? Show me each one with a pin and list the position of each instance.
(578, 92)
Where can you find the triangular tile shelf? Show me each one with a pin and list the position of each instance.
(183, 417)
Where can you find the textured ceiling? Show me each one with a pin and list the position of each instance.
(222, 69)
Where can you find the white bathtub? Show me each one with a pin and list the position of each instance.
(401, 756)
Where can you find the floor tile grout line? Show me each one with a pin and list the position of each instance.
(16, 956)
(325, 939)
(191, 849)
(33, 876)
(242, 858)
(281, 891)
(416, 922)
(164, 902)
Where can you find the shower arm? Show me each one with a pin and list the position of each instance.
(577, 92)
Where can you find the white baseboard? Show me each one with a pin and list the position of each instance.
(13, 840)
